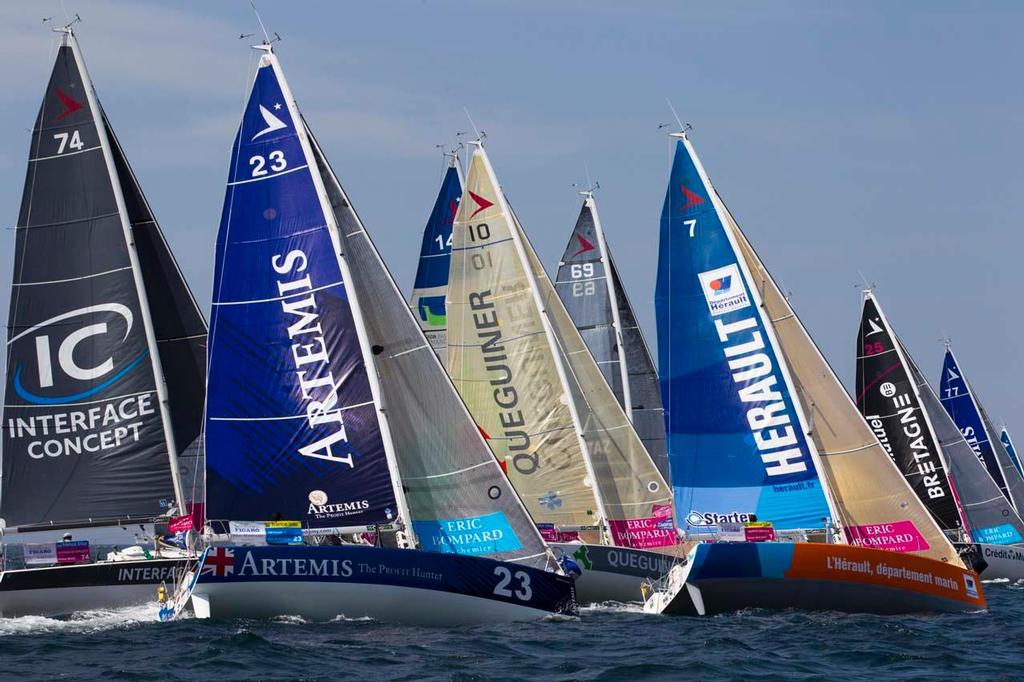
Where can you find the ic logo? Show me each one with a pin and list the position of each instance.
(68, 356)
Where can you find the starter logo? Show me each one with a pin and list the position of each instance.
(723, 289)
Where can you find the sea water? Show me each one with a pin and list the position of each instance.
(607, 642)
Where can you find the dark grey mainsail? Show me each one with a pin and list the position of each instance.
(89, 432)
(590, 288)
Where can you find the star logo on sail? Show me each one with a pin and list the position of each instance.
(692, 198)
(272, 121)
(219, 562)
(482, 203)
(71, 105)
(585, 245)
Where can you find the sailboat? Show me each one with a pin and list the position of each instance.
(435, 255)
(937, 461)
(591, 291)
(761, 430)
(105, 370)
(330, 418)
(964, 408)
(551, 418)
(1004, 438)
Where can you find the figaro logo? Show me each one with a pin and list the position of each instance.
(724, 290)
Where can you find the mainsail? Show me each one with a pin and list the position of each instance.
(592, 293)
(1004, 438)
(737, 435)
(903, 410)
(533, 387)
(431, 282)
(967, 413)
(392, 408)
(104, 354)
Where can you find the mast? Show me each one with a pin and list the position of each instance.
(868, 294)
(768, 326)
(627, 400)
(357, 315)
(549, 333)
(133, 256)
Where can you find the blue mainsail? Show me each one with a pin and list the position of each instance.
(736, 437)
(291, 426)
(959, 403)
(1004, 436)
(435, 256)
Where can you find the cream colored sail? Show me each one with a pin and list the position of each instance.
(866, 486)
(631, 487)
(500, 360)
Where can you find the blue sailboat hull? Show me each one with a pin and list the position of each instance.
(353, 581)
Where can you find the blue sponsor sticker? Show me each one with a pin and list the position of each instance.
(1005, 534)
(283, 533)
(486, 534)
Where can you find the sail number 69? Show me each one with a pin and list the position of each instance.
(523, 593)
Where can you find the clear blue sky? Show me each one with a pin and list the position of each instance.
(875, 136)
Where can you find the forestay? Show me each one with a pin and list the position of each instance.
(737, 437)
(431, 282)
(1004, 438)
(459, 499)
(87, 433)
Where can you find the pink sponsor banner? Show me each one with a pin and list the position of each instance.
(73, 552)
(759, 534)
(551, 534)
(654, 531)
(179, 524)
(898, 536)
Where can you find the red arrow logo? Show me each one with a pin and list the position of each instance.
(691, 198)
(480, 201)
(70, 105)
(584, 245)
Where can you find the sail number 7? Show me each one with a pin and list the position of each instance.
(259, 163)
(503, 589)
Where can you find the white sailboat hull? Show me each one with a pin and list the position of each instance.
(614, 573)
(395, 585)
(995, 562)
(61, 590)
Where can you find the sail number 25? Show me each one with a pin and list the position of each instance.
(259, 163)
(504, 587)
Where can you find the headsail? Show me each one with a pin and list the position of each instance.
(876, 506)
(737, 436)
(435, 256)
(966, 411)
(88, 430)
(459, 499)
(291, 427)
(592, 293)
(903, 410)
(1004, 438)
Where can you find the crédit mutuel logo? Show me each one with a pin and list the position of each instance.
(58, 355)
(723, 289)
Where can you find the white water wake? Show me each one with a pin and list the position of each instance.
(82, 622)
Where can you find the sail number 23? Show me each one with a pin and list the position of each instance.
(504, 587)
(259, 163)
